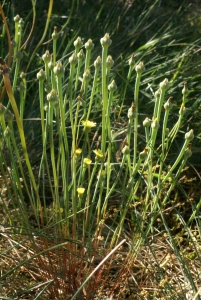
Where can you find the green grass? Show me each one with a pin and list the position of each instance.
(95, 181)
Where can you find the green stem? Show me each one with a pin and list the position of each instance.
(23, 143)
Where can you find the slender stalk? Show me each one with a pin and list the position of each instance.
(139, 69)
(44, 33)
(105, 42)
(23, 142)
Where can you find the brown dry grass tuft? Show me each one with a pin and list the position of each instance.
(155, 272)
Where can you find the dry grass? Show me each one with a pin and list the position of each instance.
(155, 272)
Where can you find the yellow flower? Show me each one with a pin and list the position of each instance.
(101, 174)
(88, 124)
(78, 151)
(87, 161)
(99, 153)
(80, 191)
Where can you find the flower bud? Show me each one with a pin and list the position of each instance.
(16, 18)
(143, 154)
(131, 61)
(7, 133)
(187, 152)
(22, 75)
(51, 65)
(87, 75)
(155, 124)
(109, 62)
(140, 68)
(168, 105)
(185, 91)
(157, 94)
(189, 136)
(41, 75)
(78, 43)
(81, 55)
(125, 150)
(112, 87)
(101, 174)
(164, 84)
(167, 130)
(55, 33)
(89, 45)
(131, 112)
(59, 69)
(147, 122)
(106, 41)
(182, 110)
(98, 63)
(52, 96)
(73, 59)
(46, 57)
